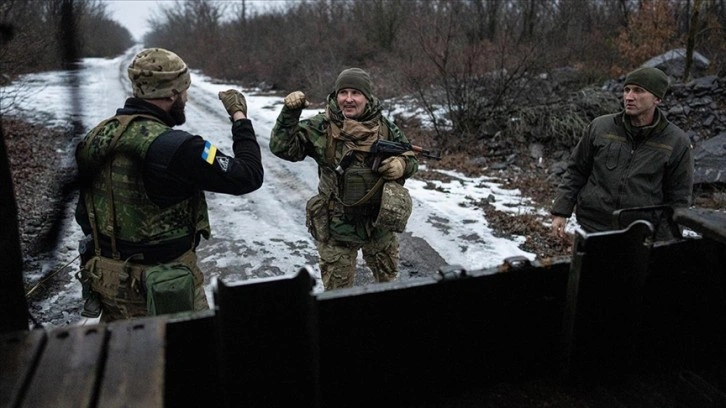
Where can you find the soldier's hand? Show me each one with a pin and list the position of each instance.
(392, 168)
(296, 100)
(558, 226)
(233, 101)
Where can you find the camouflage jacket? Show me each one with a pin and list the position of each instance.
(293, 139)
(159, 178)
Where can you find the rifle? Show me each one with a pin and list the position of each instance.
(383, 149)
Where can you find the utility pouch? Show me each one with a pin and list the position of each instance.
(317, 218)
(169, 288)
(396, 207)
(361, 193)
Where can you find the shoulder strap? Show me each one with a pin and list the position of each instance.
(124, 122)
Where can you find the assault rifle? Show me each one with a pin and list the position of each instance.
(383, 149)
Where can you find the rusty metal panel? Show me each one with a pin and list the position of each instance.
(134, 369)
(19, 352)
(68, 369)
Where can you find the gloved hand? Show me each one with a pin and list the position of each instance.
(296, 100)
(392, 168)
(233, 101)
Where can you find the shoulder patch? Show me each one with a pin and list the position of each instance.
(223, 163)
(209, 152)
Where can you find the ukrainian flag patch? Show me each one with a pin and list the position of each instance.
(209, 153)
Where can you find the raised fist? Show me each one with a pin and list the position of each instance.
(296, 100)
(233, 101)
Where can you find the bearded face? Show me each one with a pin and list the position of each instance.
(176, 111)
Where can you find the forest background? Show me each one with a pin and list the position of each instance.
(470, 59)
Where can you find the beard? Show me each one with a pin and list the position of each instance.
(177, 112)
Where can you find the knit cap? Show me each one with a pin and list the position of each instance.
(652, 80)
(354, 78)
(158, 73)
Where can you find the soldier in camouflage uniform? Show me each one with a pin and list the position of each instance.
(143, 182)
(341, 219)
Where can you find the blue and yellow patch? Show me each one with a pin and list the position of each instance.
(209, 153)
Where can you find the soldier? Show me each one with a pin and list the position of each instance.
(142, 190)
(634, 158)
(357, 207)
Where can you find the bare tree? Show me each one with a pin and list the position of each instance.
(691, 39)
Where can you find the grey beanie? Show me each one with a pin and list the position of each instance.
(354, 78)
(158, 73)
(652, 80)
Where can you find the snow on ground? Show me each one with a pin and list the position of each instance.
(263, 230)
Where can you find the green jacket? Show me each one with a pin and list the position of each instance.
(293, 139)
(611, 168)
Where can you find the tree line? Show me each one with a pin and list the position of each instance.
(471, 58)
(37, 33)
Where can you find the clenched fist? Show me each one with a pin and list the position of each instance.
(296, 100)
(233, 101)
(392, 168)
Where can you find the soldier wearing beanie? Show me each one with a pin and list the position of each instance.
(345, 216)
(652, 80)
(633, 158)
(354, 78)
(142, 201)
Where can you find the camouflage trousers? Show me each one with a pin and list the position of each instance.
(119, 286)
(338, 261)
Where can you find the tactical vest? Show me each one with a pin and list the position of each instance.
(113, 152)
(359, 187)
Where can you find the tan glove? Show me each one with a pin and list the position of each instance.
(392, 168)
(296, 100)
(233, 101)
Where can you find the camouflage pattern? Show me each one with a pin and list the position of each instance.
(119, 285)
(158, 73)
(396, 207)
(138, 219)
(338, 261)
(293, 139)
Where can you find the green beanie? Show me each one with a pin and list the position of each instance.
(354, 78)
(652, 80)
(158, 73)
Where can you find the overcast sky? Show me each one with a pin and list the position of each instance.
(134, 14)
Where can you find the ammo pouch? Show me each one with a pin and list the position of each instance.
(169, 288)
(317, 218)
(396, 207)
(361, 193)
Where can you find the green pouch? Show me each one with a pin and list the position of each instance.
(316, 217)
(358, 183)
(169, 288)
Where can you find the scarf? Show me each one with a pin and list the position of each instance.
(356, 135)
